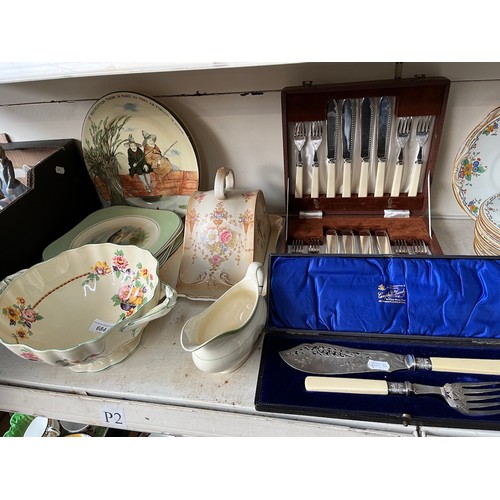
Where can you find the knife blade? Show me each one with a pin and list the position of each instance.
(331, 140)
(328, 359)
(347, 144)
(366, 140)
(384, 134)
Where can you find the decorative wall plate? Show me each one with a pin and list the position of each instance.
(153, 230)
(138, 153)
(476, 167)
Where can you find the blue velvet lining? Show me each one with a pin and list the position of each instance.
(429, 296)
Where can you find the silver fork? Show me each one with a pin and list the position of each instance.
(299, 139)
(420, 247)
(316, 138)
(314, 246)
(421, 136)
(404, 131)
(297, 246)
(400, 247)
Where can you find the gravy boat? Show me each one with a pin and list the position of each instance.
(222, 336)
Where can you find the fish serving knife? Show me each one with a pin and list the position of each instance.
(328, 359)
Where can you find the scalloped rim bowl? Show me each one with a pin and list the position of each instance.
(84, 309)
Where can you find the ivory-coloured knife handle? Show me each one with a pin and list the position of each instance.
(396, 180)
(380, 179)
(315, 181)
(414, 179)
(363, 180)
(466, 365)
(346, 385)
(346, 180)
(299, 181)
(331, 180)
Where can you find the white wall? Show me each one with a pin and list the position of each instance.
(243, 132)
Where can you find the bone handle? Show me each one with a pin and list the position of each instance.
(464, 365)
(315, 182)
(299, 181)
(380, 179)
(346, 385)
(396, 180)
(346, 181)
(363, 180)
(330, 186)
(414, 179)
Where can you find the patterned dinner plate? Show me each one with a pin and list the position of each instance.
(138, 153)
(476, 167)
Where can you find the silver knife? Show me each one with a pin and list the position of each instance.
(384, 134)
(347, 143)
(366, 143)
(328, 359)
(331, 140)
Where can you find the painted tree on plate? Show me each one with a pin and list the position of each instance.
(101, 155)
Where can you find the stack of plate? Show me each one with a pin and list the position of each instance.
(487, 227)
(159, 231)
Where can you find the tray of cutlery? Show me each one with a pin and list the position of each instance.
(359, 160)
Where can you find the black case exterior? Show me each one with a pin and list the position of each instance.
(60, 195)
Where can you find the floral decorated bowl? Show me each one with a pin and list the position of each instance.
(84, 309)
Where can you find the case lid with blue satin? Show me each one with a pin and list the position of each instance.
(405, 295)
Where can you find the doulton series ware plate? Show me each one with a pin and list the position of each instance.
(138, 153)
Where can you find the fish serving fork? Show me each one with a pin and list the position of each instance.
(316, 138)
(475, 398)
(421, 136)
(299, 139)
(403, 134)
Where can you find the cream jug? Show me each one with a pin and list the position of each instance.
(222, 336)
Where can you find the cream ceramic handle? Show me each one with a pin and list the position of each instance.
(330, 183)
(346, 385)
(363, 180)
(346, 181)
(415, 179)
(464, 365)
(396, 180)
(380, 179)
(155, 313)
(224, 179)
(299, 181)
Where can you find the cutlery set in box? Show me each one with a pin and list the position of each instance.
(367, 320)
(362, 156)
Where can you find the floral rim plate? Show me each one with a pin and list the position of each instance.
(138, 153)
(153, 230)
(476, 166)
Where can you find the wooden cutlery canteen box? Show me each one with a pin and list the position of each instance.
(373, 168)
